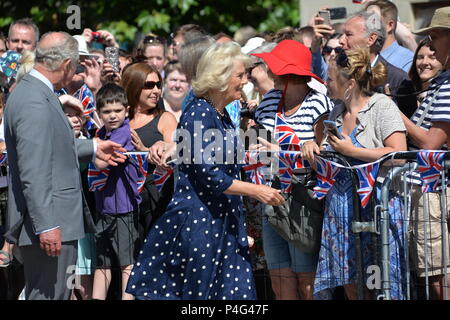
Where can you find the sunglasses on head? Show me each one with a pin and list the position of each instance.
(328, 50)
(151, 84)
(153, 39)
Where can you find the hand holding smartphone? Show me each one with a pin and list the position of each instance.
(332, 128)
(112, 55)
(325, 15)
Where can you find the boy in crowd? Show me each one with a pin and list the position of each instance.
(118, 201)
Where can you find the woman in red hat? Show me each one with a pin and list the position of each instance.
(297, 118)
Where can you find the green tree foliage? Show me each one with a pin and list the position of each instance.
(124, 18)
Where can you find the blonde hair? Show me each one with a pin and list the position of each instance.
(214, 70)
(27, 63)
(359, 68)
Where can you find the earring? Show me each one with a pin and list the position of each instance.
(346, 95)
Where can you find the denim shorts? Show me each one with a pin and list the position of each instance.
(280, 253)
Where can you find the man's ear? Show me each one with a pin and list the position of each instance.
(390, 26)
(371, 39)
(66, 65)
(127, 111)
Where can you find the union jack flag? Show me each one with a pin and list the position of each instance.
(430, 166)
(86, 97)
(326, 172)
(253, 167)
(367, 176)
(141, 164)
(284, 134)
(97, 178)
(286, 167)
(161, 175)
(3, 158)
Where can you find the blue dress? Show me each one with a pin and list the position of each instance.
(337, 256)
(198, 248)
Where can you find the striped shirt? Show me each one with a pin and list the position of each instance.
(439, 110)
(314, 107)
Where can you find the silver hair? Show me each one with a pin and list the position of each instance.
(373, 24)
(27, 22)
(52, 57)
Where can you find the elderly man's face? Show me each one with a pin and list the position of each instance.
(440, 41)
(354, 34)
(22, 38)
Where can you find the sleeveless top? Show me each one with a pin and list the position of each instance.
(149, 133)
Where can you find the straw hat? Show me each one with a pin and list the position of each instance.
(440, 20)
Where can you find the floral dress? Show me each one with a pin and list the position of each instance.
(337, 257)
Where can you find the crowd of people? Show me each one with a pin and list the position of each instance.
(77, 201)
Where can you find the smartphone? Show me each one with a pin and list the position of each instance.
(325, 14)
(96, 36)
(338, 13)
(332, 128)
(112, 55)
(80, 69)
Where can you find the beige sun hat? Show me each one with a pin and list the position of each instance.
(440, 20)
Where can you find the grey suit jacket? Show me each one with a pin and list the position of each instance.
(45, 185)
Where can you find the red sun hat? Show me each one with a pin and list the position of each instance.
(289, 57)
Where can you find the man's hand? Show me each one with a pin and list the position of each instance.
(92, 75)
(51, 242)
(108, 38)
(321, 32)
(108, 75)
(87, 35)
(71, 101)
(108, 154)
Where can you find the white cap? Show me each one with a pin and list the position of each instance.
(252, 44)
(82, 46)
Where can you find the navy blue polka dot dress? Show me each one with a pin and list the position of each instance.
(198, 248)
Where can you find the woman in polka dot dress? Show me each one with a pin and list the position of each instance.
(198, 249)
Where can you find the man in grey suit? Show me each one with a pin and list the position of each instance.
(46, 209)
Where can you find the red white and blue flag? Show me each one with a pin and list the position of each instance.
(430, 166)
(87, 99)
(141, 164)
(326, 172)
(161, 175)
(97, 178)
(367, 176)
(3, 158)
(253, 168)
(286, 167)
(285, 135)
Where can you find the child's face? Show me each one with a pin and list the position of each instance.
(113, 115)
(74, 119)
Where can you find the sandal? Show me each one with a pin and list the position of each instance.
(4, 262)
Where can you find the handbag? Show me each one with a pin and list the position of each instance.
(299, 220)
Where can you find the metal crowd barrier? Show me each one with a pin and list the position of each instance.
(403, 173)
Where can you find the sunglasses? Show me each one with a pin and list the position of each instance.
(329, 50)
(153, 39)
(151, 85)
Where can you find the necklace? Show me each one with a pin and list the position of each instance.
(210, 102)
